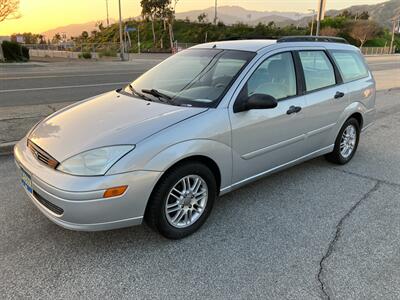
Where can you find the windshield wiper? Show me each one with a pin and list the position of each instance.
(135, 92)
(159, 95)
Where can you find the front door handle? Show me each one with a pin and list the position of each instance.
(339, 95)
(293, 109)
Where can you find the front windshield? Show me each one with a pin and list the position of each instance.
(194, 77)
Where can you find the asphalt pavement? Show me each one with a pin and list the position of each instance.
(45, 83)
(314, 231)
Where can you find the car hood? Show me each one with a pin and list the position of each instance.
(105, 120)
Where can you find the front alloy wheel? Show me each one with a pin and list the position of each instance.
(182, 200)
(186, 201)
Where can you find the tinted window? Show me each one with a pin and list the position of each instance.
(276, 76)
(350, 64)
(318, 70)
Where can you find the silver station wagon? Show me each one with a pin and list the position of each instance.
(200, 124)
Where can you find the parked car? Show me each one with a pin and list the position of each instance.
(202, 123)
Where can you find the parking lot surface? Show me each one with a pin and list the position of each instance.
(314, 231)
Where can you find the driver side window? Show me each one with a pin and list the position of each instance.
(276, 76)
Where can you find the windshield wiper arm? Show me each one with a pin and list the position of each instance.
(159, 95)
(135, 92)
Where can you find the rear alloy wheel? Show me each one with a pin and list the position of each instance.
(182, 200)
(346, 143)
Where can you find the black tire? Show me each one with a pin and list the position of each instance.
(336, 156)
(155, 215)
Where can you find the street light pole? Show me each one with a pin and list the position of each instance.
(108, 20)
(121, 40)
(312, 21)
(138, 38)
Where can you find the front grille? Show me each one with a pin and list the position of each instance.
(52, 207)
(42, 155)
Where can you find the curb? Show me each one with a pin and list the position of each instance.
(7, 148)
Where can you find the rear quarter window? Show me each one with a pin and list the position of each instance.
(350, 64)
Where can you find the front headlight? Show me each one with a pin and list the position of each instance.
(94, 162)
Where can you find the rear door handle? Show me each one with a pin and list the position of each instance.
(339, 95)
(293, 109)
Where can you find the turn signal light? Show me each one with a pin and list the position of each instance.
(115, 191)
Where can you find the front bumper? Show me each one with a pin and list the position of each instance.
(79, 200)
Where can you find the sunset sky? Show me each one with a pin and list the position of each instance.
(41, 15)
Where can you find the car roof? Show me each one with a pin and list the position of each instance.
(258, 45)
(243, 45)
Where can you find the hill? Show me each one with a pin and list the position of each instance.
(74, 29)
(381, 13)
(235, 14)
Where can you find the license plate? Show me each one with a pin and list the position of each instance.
(26, 180)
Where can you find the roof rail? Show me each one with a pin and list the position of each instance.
(312, 38)
(257, 37)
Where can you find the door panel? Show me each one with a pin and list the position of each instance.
(325, 100)
(322, 111)
(266, 138)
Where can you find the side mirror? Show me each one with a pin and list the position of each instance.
(256, 101)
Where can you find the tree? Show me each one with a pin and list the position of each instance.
(363, 30)
(159, 10)
(100, 26)
(346, 14)
(202, 18)
(329, 31)
(149, 10)
(9, 9)
(29, 38)
(84, 35)
(363, 16)
(56, 38)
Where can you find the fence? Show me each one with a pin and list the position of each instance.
(71, 49)
(378, 50)
(112, 49)
(108, 49)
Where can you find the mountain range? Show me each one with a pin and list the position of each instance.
(381, 13)
(74, 29)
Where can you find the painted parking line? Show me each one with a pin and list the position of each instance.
(63, 87)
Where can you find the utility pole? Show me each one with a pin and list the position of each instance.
(393, 30)
(215, 13)
(121, 38)
(312, 21)
(108, 21)
(321, 12)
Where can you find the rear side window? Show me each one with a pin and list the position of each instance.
(318, 70)
(350, 64)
